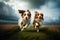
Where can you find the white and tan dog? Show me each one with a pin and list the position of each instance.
(38, 20)
(24, 21)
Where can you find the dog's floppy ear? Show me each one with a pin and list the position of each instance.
(28, 11)
(36, 12)
(21, 11)
(42, 15)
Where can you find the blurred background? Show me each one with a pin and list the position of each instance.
(50, 8)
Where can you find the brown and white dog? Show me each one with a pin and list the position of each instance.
(24, 21)
(38, 20)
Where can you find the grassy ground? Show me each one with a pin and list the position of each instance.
(30, 34)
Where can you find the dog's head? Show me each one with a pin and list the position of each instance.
(38, 16)
(26, 15)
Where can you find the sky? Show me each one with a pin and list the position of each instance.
(50, 9)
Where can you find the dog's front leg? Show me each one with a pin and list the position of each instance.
(24, 27)
(21, 26)
(36, 24)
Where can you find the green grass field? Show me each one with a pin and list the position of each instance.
(30, 34)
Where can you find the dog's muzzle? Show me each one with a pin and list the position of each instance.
(26, 18)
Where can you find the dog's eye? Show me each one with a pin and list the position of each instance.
(24, 14)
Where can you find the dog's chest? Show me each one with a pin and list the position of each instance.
(25, 21)
(41, 22)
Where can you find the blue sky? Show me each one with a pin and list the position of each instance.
(50, 9)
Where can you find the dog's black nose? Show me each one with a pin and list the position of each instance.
(26, 18)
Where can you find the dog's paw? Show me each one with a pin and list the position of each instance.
(21, 29)
(37, 30)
